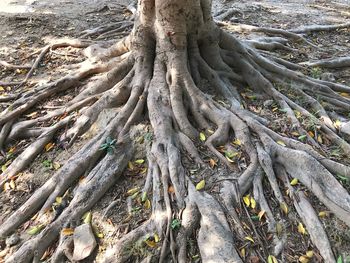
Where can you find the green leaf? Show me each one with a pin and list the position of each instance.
(202, 136)
(343, 178)
(175, 224)
(340, 259)
(35, 229)
(144, 197)
(200, 185)
(302, 137)
(140, 161)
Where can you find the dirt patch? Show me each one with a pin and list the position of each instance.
(28, 25)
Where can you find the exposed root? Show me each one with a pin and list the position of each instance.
(191, 87)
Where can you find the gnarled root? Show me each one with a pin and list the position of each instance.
(191, 87)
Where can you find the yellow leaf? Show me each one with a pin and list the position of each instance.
(311, 134)
(100, 235)
(140, 161)
(252, 203)
(202, 136)
(237, 142)
(295, 133)
(294, 182)
(130, 166)
(49, 146)
(230, 160)
(56, 165)
(58, 200)
(301, 229)
(344, 94)
(323, 214)
(303, 259)
(32, 115)
(319, 139)
(143, 171)
(200, 185)
(67, 231)
(272, 259)
(261, 214)
(212, 163)
(243, 253)
(284, 208)
(87, 218)
(210, 131)
(147, 204)
(2, 88)
(281, 143)
(156, 238)
(246, 200)
(337, 124)
(12, 184)
(133, 191)
(151, 243)
(310, 254)
(249, 238)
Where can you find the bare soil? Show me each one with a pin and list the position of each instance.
(27, 25)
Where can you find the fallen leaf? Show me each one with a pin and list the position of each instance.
(272, 259)
(249, 238)
(294, 182)
(87, 218)
(281, 143)
(311, 134)
(261, 214)
(140, 161)
(284, 208)
(301, 229)
(200, 185)
(323, 214)
(35, 229)
(304, 259)
(310, 254)
(144, 197)
(212, 163)
(319, 139)
(242, 252)
(302, 137)
(56, 165)
(237, 142)
(58, 199)
(202, 136)
(67, 231)
(130, 166)
(156, 238)
(133, 191)
(12, 184)
(340, 259)
(151, 243)
(49, 146)
(246, 200)
(252, 203)
(171, 189)
(147, 204)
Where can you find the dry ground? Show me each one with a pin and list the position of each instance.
(26, 25)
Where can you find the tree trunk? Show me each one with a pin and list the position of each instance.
(189, 78)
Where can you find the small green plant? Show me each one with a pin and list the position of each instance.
(316, 73)
(108, 145)
(175, 224)
(47, 164)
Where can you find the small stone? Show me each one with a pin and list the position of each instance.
(12, 240)
(268, 103)
(84, 242)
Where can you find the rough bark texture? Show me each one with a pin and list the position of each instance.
(175, 66)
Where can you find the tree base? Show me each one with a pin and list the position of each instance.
(158, 75)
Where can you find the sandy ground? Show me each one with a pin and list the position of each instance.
(26, 25)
